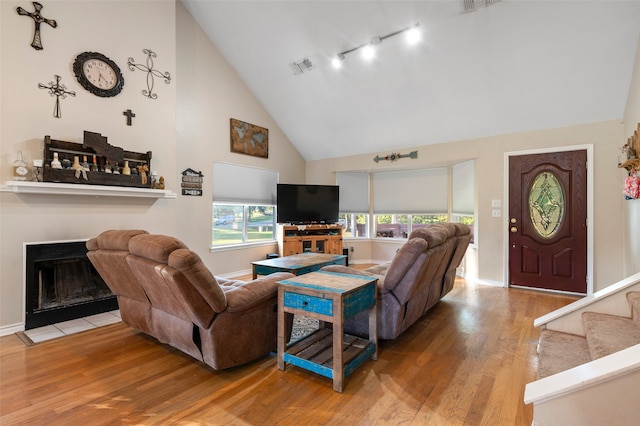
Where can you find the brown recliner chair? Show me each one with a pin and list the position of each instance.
(108, 253)
(220, 322)
(463, 239)
(408, 285)
(441, 240)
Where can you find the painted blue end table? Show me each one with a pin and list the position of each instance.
(330, 298)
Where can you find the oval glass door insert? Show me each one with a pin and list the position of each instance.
(546, 204)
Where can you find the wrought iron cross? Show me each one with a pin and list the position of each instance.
(59, 91)
(150, 72)
(37, 19)
(129, 115)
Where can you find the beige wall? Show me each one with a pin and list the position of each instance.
(26, 117)
(187, 126)
(489, 154)
(209, 94)
(632, 208)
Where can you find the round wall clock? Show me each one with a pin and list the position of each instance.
(98, 74)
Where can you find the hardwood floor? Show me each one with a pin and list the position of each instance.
(466, 362)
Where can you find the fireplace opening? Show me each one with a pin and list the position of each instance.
(62, 284)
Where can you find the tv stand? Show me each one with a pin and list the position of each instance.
(297, 239)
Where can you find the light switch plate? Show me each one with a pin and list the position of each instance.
(496, 203)
(495, 213)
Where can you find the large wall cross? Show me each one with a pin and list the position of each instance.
(59, 91)
(150, 72)
(37, 19)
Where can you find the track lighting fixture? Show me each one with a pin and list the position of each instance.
(368, 49)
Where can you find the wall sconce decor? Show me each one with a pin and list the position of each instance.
(394, 156)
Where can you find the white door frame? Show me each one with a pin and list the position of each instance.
(590, 198)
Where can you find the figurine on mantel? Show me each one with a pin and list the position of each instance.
(55, 163)
(143, 169)
(66, 163)
(78, 168)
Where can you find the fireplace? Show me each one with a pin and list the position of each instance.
(62, 284)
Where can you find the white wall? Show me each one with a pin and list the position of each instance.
(632, 207)
(187, 126)
(489, 154)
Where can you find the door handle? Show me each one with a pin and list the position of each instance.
(514, 229)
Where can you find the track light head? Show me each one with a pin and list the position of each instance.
(368, 49)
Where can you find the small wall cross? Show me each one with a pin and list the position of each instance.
(59, 91)
(150, 72)
(129, 115)
(37, 19)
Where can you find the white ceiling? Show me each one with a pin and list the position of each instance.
(511, 67)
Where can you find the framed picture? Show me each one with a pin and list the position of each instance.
(249, 139)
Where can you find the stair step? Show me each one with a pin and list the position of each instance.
(559, 351)
(607, 334)
(634, 300)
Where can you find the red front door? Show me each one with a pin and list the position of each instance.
(548, 221)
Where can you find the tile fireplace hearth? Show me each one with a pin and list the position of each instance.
(62, 285)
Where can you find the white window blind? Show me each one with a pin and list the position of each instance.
(354, 192)
(463, 188)
(233, 183)
(411, 191)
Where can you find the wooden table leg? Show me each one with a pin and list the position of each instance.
(281, 329)
(338, 345)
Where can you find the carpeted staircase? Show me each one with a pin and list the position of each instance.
(604, 335)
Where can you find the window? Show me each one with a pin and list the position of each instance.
(546, 204)
(463, 195)
(243, 208)
(401, 225)
(408, 199)
(354, 203)
(355, 225)
(238, 224)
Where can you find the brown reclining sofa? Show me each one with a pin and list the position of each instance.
(166, 291)
(421, 273)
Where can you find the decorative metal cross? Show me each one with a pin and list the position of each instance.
(129, 115)
(150, 72)
(59, 91)
(37, 19)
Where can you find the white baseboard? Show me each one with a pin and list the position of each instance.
(11, 329)
(487, 282)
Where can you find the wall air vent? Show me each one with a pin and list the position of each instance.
(471, 5)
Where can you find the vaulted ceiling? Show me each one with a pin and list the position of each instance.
(510, 67)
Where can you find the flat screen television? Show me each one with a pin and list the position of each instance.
(304, 204)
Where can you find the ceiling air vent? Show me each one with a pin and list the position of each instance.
(471, 5)
(301, 66)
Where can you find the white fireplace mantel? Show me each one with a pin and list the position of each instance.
(46, 188)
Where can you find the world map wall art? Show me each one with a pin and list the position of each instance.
(249, 139)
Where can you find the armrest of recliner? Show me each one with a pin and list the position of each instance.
(245, 296)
